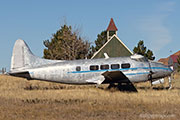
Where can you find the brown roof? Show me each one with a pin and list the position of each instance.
(112, 26)
(177, 53)
(173, 56)
(164, 60)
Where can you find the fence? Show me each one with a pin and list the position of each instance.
(3, 71)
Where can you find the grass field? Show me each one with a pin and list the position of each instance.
(21, 99)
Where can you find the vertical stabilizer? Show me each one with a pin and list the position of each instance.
(21, 52)
(23, 58)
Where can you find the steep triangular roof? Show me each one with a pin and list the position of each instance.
(112, 26)
(108, 42)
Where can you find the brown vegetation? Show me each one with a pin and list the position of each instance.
(22, 99)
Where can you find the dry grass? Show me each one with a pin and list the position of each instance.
(22, 99)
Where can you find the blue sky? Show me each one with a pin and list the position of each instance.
(157, 22)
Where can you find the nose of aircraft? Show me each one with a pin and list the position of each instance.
(168, 71)
(161, 68)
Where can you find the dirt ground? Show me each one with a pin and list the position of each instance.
(21, 99)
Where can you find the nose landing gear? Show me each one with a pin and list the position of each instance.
(170, 82)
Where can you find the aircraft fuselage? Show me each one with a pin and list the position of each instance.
(78, 71)
(105, 70)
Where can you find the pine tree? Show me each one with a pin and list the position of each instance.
(99, 42)
(141, 49)
(66, 45)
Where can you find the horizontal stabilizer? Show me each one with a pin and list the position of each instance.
(24, 74)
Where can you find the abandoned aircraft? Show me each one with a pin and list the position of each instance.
(133, 69)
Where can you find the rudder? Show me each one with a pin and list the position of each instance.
(21, 52)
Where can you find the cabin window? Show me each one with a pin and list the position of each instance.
(114, 66)
(78, 68)
(104, 67)
(125, 65)
(94, 67)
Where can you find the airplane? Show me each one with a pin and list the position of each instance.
(133, 69)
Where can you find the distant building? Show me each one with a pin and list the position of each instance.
(114, 47)
(3, 71)
(171, 60)
(164, 60)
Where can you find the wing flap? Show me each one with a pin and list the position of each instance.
(114, 75)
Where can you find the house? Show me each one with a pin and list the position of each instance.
(171, 60)
(164, 60)
(114, 47)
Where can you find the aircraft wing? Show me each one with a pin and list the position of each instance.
(114, 75)
(98, 80)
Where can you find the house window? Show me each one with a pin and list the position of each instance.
(114, 66)
(111, 33)
(125, 65)
(104, 67)
(94, 67)
(78, 68)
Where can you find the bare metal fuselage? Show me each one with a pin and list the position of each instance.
(65, 72)
(25, 64)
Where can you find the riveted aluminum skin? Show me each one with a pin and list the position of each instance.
(24, 62)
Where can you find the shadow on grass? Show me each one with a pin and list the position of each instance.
(123, 87)
(159, 88)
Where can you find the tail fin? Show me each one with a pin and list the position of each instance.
(21, 55)
(23, 58)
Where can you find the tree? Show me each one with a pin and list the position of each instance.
(66, 45)
(99, 42)
(141, 49)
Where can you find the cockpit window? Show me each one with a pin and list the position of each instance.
(139, 58)
(143, 59)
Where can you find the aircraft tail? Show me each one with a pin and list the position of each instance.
(23, 58)
(21, 55)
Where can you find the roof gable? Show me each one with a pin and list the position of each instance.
(164, 60)
(112, 26)
(127, 50)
